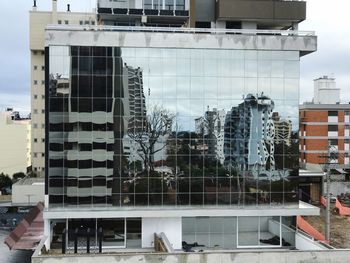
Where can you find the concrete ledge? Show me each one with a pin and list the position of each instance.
(329, 256)
(163, 212)
(244, 41)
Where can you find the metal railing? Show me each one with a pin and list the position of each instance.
(179, 30)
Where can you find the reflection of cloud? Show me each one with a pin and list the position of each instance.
(60, 65)
(188, 82)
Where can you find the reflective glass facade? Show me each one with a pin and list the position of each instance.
(172, 127)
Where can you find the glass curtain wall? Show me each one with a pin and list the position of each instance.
(172, 127)
(237, 232)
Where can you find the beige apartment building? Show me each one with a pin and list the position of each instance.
(15, 142)
(38, 21)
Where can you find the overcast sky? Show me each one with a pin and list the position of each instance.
(330, 20)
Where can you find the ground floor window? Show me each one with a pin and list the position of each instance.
(105, 232)
(237, 232)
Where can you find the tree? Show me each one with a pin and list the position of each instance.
(5, 181)
(158, 124)
(17, 176)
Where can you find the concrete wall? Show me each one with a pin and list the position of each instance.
(77, 36)
(28, 194)
(261, 10)
(304, 243)
(336, 188)
(330, 256)
(205, 10)
(172, 228)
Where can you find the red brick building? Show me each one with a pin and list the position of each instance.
(320, 123)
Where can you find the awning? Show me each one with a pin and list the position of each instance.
(28, 233)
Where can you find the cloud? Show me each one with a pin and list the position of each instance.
(330, 21)
(333, 55)
(15, 54)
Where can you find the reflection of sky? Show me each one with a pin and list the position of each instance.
(61, 63)
(189, 82)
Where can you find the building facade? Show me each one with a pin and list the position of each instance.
(324, 126)
(151, 86)
(15, 142)
(38, 21)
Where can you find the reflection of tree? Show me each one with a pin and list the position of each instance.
(287, 157)
(158, 124)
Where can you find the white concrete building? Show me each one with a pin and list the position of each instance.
(38, 21)
(102, 204)
(28, 191)
(234, 227)
(325, 91)
(15, 143)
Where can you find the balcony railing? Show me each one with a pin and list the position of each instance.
(140, 12)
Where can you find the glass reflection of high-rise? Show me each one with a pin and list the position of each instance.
(172, 127)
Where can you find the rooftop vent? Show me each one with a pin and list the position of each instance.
(68, 7)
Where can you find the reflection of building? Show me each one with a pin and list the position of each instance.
(191, 191)
(324, 121)
(133, 89)
(211, 128)
(283, 129)
(136, 113)
(38, 22)
(250, 134)
(15, 142)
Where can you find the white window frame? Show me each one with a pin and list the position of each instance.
(259, 246)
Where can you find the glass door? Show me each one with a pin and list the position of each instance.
(114, 232)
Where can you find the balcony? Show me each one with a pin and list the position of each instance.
(118, 14)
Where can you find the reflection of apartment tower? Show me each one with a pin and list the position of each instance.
(283, 129)
(200, 126)
(211, 127)
(137, 104)
(135, 110)
(250, 133)
(38, 21)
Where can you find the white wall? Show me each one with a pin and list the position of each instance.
(287, 233)
(13, 144)
(325, 91)
(304, 243)
(172, 228)
(28, 194)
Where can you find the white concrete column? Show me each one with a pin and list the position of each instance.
(295, 26)
(218, 24)
(47, 233)
(54, 11)
(170, 226)
(249, 25)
